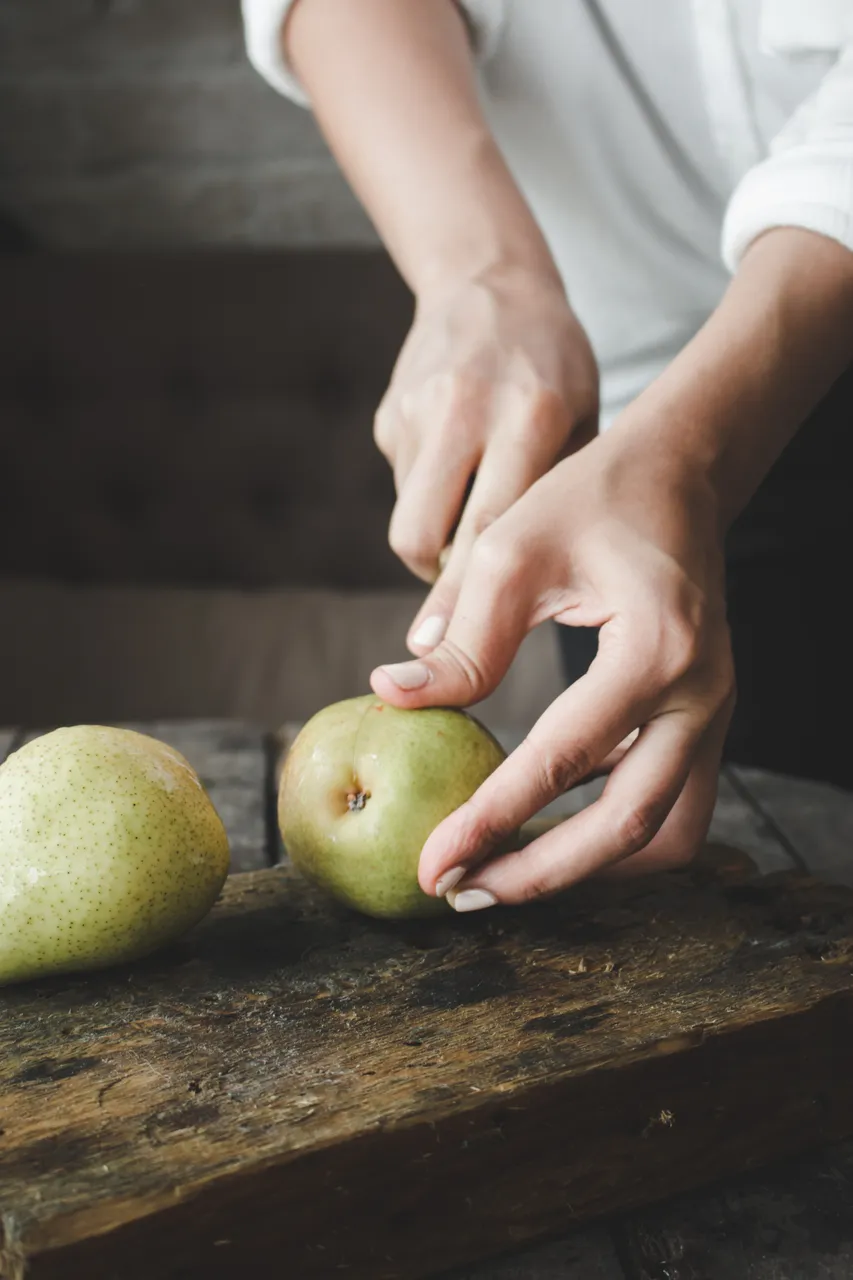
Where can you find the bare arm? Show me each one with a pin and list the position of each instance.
(393, 88)
(496, 374)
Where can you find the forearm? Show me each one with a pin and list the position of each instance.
(393, 89)
(734, 397)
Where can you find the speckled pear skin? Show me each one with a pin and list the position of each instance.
(364, 785)
(109, 848)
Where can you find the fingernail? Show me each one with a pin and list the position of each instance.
(408, 675)
(471, 899)
(430, 632)
(448, 880)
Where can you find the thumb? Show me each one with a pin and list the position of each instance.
(491, 616)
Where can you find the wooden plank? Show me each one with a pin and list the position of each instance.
(816, 820)
(294, 1080)
(230, 758)
(736, 824)
(585, 1255)
(792, 1223)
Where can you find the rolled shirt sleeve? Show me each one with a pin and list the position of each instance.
(263, 24)
(807, 178)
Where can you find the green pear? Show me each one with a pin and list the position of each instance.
(363, 786)
(109, 848)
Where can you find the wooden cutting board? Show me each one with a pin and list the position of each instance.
(299, 1091)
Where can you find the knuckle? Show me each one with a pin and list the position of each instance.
(497, 559)
(545, 408)
(462, 391)
(383, 430)
(482, 520)
(536, 888)
(476, 680)
(638, 826)
(558, 769)
(713, 680)
(531, 412)
(682, 649)
(443, 399)
(484, 829)
(411, 549)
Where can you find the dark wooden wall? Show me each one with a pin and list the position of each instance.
(141, 124)
(200, 419)
(189, 401)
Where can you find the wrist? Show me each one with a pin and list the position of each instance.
(503, 278)
(673, 488)
(486, 235)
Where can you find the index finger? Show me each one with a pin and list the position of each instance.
(513, 461)
(429, 502)
(641, 793)
(578, 731)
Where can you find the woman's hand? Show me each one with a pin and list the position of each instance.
(623, 536)
(496, 381)
(626, 535)
(496, 377)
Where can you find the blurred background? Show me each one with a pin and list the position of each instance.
(197, 324)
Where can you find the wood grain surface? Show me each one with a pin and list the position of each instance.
(292, 1074)
(296, 1083)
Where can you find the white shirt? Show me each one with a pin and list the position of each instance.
(654, 140)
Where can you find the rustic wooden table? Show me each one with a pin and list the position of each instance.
(786, 1222)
